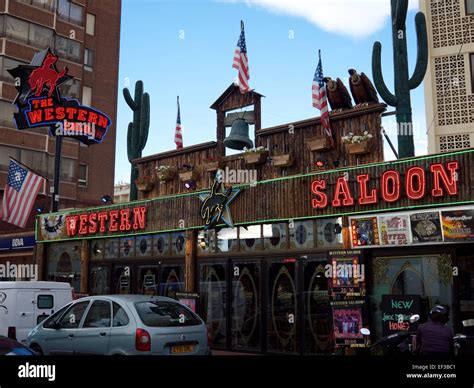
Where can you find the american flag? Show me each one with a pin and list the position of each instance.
(20, 193)
(178, 135)
(320, 100)
(240, 61)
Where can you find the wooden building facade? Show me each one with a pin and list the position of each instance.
(308, 209)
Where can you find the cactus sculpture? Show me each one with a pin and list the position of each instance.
(403, 84)
(137, 134)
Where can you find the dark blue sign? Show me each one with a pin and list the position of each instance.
(17, 243)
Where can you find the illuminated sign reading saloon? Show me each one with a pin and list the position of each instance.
(392, 186)
(118, 220)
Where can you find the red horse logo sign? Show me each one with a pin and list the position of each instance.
(46, 76)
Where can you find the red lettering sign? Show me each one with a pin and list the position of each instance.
(106, 221)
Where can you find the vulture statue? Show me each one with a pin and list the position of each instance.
(338, 96)
(362, 89)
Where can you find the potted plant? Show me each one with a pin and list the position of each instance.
(283, 160)
(211, 165)
(319, 143)
(254, 156)
(165, 173)
(144, 183)
(357, 144)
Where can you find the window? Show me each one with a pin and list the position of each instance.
(98, 315)
(82, 176)
(67, 48)
(469, 7)
(46, 4)
(88, 59)
(41, 37)
(6, 64)
(71, 89)
(68, 169)
(45, 301)
(165, 314)
(86, 95)
(73, 316)
(90, 24)
(41, 318)
(5, 153)
(48, 324)
(6, 113)
(70, 12)
(17, 28)
(120, 316)
(34, 159)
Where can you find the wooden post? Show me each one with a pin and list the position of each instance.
(85, 256)
(190, 260)
(40, 261)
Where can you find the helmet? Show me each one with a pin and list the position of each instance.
(439, 314)
(438, 309)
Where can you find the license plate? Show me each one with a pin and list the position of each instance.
(182, 349)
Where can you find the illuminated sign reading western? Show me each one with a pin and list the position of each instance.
(117, 220)
(40, 104)
(391, 187)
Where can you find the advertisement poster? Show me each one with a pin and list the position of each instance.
(396, 312)
(52, 227)
(426, 227)
(364, 232)
(347, 322)
(188, 299)
(346, 274)
(394, 230)
(458, 225)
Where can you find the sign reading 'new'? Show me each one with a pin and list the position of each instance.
(416, 183)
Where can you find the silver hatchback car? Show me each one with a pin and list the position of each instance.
(121, 325)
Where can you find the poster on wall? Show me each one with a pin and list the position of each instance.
(364, 232)
(394, 230)
(426, 227)
(458, 225)
(396, 312)
(53, 227)
(347, 322)
(346, 274)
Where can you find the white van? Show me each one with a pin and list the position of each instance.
(25, 304)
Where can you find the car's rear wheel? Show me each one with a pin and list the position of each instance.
(37, 349)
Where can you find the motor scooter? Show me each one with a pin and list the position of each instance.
(399, 343)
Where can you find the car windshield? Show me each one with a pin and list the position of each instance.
(165, 314)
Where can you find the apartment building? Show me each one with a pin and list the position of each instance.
(85, 34)
(449, 82)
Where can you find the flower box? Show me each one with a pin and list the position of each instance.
(358, 148)
(165, 174)
(283, 160)
(188, 175)
(255, 158)
(213, 166)
(320, 143)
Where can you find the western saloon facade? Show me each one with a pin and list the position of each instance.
(327, 240)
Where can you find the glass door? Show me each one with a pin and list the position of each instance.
(282, 308)
(246, 305)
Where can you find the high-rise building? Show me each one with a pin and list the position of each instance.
(449, 83)
(85, 34)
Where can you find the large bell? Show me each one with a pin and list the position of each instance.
(239, 136)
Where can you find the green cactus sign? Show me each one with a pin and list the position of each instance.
(137, 134)
(403, 83)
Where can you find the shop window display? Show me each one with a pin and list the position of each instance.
(122, 279)
(178, 242)
(428, 277)
(161, 244)
(148, 280)
(64, 263)
(172, 280)
(329, 232)
(301, 234)
(250, 238)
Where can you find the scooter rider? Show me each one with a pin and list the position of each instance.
(434, 338)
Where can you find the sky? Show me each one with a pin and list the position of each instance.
(185, 48)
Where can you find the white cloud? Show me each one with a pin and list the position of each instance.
(356, 18)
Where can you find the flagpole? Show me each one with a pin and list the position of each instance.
(57, 170)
